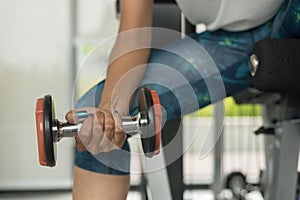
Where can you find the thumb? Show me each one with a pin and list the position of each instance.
(79, 115)
(71, 117)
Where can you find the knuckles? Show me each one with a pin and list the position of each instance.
(109, 126)
(102, 125)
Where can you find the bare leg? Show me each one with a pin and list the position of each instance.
(91, 185)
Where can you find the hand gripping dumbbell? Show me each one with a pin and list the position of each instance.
(50, 130)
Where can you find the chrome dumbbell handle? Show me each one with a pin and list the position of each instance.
(134, 124)
(130, 124)
(63, 129)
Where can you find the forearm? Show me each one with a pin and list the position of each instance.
(129, 57)
(123, 77)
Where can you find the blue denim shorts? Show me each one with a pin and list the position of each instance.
(116, 162)
(230, 51)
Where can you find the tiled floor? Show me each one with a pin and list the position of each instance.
(36, 196)
(189, 195)
(51, 196)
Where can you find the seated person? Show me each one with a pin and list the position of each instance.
(233, 27)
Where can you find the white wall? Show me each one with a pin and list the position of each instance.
(35, 60)
(97, 19)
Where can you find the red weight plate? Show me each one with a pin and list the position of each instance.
(158, 119)
(39, 119)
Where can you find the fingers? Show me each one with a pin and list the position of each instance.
(109, 126)
(119, 136)
(114, 137)
(85, 132)
(79, 145)
(99, 132)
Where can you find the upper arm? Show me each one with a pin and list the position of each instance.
(135, 14)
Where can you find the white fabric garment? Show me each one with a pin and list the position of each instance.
(231, 15)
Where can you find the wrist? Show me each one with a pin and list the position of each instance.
(106, 106)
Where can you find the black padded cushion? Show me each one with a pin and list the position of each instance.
(279, 65)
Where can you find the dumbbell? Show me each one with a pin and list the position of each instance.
(50, 130)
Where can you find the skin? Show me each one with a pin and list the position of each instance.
(101, 132)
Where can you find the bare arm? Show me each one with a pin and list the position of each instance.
(89, 185)
(127, 54)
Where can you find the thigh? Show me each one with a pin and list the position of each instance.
(215, 68)
(290, 27)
